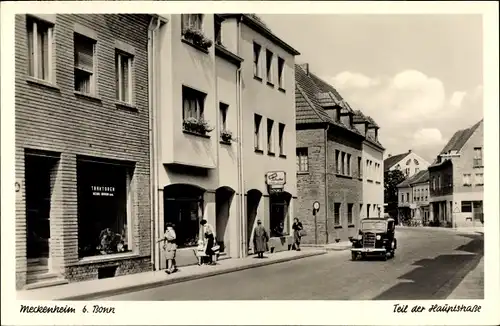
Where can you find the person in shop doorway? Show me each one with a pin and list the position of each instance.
(170, 247)
(260, 239)
(212, 248)
(297, 233)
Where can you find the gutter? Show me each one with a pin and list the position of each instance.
(326, 181)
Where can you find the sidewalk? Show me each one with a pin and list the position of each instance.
(472, 286)
(343, 245)
(467, 230)
(94, 289)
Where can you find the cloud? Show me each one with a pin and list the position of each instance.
(412, 109)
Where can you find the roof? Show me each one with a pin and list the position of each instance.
(419, 177)
(255, 23)
(460, 138)
(392, 160)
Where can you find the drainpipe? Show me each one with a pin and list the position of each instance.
(326, 181)
(152, 132)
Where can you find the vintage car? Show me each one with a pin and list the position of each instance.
(376, 237)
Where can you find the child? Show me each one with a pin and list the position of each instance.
(200, 252)
(170, 247)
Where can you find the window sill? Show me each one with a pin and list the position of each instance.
(88, 96)
(302, 172)
(257, 78)
(343, 176)
(270, 84)
(338, 226)
(225, 142)
(351, 226)
(197, 47)
(259, 151)
(360, 178)
(195, 134)
(270, 153)
(282, 155)
(41, 82)
(107, 258)
(281, 90)
(370, 181)
(478, 166)
(126, 106)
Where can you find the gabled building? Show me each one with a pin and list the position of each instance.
(330, 161)
(409, 163)
(413, 198)
(457, 180)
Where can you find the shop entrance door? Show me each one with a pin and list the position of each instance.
(38, 171)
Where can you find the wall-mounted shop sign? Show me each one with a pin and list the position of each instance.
(275, 181)
(105, 191)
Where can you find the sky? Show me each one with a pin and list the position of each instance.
(419, 76)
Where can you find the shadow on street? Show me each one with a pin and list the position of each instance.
(437, 278)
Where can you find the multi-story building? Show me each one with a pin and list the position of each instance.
(413, 198)
(370, 167)
(82, 147)
(456, 180)
(217, 73)
(329, 149)
(409, 163)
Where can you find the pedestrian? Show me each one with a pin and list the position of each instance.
(298, 231)
(200, 252)
(260, 239)
(170, 247)
(211, 247)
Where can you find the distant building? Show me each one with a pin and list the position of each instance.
(457, 180)
(409, 163)
(413, 198)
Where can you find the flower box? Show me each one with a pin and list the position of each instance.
(226, 136)
(197, 126)
(197, 37)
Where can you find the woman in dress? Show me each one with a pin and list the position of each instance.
(170, 247)
(208, 231)
(260, 239)
(297, 228)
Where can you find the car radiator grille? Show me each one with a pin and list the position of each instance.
(369, 240)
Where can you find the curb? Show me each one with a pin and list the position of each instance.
(134, 288)
(339, 248)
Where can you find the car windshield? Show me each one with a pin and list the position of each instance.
(373, 225)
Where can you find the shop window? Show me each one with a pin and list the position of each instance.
(104, 206)
(183, 207)
(84, 64)
(279, 217)
(40, 38)
(123, 73)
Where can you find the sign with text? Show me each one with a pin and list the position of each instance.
(104, 191)
(276, 179)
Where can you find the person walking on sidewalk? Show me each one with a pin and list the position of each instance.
(211, 248)
(260, 239)
(297, 233)
(170, 247)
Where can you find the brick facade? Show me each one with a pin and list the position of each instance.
(51, 117)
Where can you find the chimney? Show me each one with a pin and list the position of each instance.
(305, 66)
(389, 155)
(409, 151)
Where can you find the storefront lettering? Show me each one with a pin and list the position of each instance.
(103, 191)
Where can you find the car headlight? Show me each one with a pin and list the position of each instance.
(379, 237)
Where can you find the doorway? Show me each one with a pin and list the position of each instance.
(40, 177)
(223, 200)
(253, 199)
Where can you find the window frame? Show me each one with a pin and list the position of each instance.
(197, 96)
(119, 55)
(478, 159)
(257, 125)
(281, 138)
(270, 136)
(188, 23)
(350, 220)
(337, 214)
(92, 74)
(481, 179)
(360, 167)
(223, 109)
(269, 67)
(33, 55)
(302, 155)
(281, 73)
(257, 50)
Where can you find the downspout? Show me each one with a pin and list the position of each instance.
(240, 162)
(326, 181)
(152, 132)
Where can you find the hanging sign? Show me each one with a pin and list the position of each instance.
(105, 191)
(276, 178)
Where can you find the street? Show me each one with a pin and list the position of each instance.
(429, 264)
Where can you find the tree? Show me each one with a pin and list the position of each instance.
(391, 180)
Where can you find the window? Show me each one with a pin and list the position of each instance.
(478, 156)
(269, 66)
(368, 169)
(223, 116)
(193, 103)
(123, 71)
(415, 162)
(360, 209)
(270, 140)
(407, 171)
(337, 161)
(40, 38)
(194, 21)
(433, 183)
(348, 168)
(466, 207)
(342, 154)
(466, 179)
(218, 32)
(408, 162)
(302, 159)
(256, 59)
(360, 167)
(349, 213)
(84, 64)
(402, 198)
(104, 195)
(367, 210)
(407, 197)
(336, 214)
(281, 133)
(257, 119)
(479, 179)
(281, 73)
